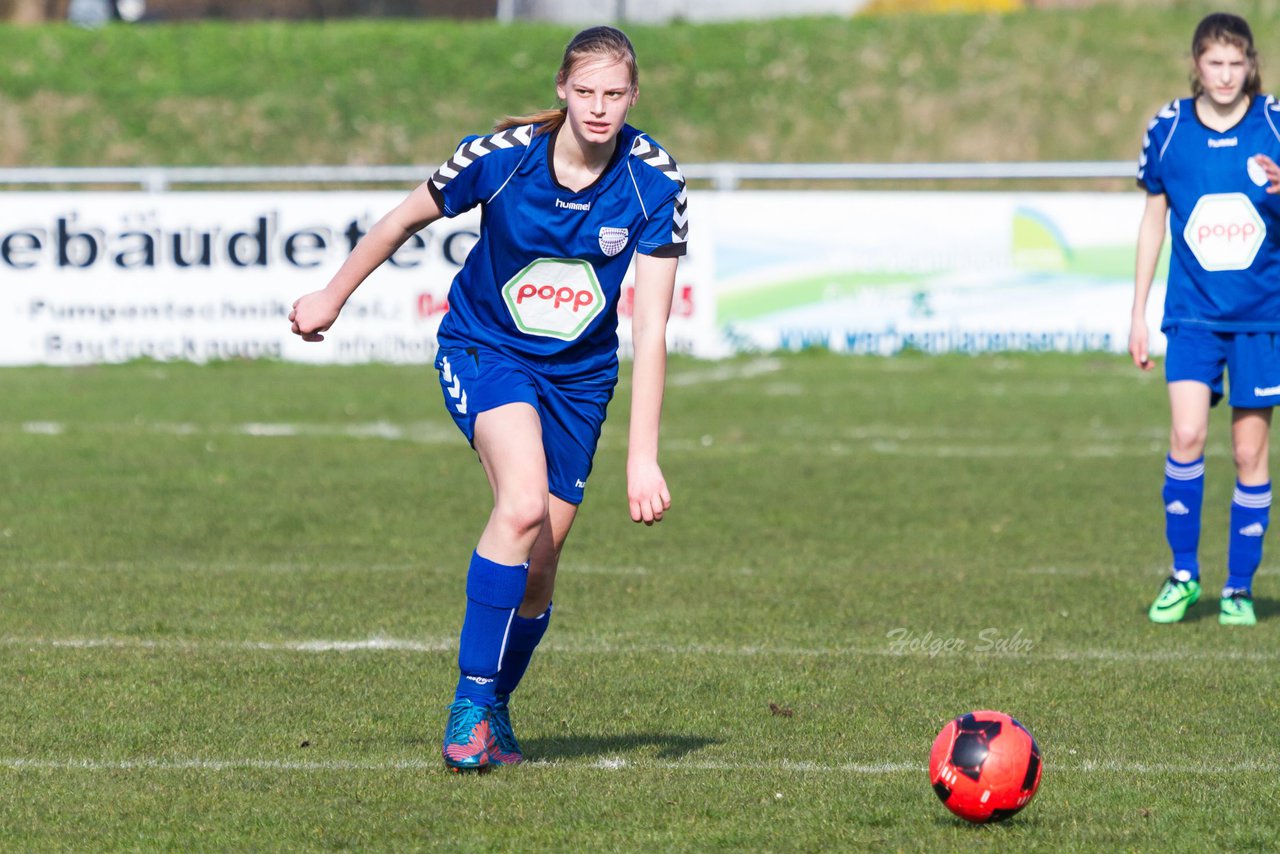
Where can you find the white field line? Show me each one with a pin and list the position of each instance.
(309, 646)
(285, 567)
(724, 373)
(43, 428)
(934, 433)
(1012, 450)
(424, 432)
(450, 644)
(613, 764)
(1159, 571)
(567, 569)
(881, 439)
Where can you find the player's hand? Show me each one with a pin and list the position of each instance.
(647, 492)
(1138, 348)
(313, 314)
(1271, 170)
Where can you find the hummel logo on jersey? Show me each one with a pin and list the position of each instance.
(580, 484)
(1254, 530)
(573, 206)
(1229, 142)
(1177, 508)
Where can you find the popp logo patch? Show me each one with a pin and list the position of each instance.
(554, 298)
(1225, 231)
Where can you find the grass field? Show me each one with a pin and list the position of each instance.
(230, 597)
(1041, 84)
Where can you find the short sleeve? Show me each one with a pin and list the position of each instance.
(1150, 162)
(457, 185)
(666, 232)
(477, 170)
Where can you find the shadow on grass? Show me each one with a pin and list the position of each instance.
(670, 746)
(1266, 609)
(1008, 825)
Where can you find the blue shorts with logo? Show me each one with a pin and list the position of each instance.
(572, 412)
(1252, 359)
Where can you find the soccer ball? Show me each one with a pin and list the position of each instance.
(984, 766)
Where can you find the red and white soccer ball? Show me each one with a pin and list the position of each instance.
(984, 766)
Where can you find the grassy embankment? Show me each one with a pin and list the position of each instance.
(1034, 85)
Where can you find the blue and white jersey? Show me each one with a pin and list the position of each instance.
(1224, 272)
(543, 281)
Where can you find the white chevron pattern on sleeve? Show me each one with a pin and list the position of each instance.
(1170, 110)
(469, 152)
(647, 152)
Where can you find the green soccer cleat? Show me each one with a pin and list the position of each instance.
(1174, 599)
(1237, 609)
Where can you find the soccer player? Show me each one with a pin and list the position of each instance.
(528, 354)
(1208, 165)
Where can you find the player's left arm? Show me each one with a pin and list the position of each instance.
(1271, 170)
(647, 492)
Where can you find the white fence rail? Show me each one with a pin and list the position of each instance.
(721, 176)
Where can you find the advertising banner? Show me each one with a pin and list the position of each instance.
(107, 277)
(110, 277)
(934, 271)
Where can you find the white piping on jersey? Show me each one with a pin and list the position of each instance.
(525, 133)
(636, 187)
(1176, 108)
(1169, 110)
(1271, 105)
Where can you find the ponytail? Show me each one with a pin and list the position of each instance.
(546, 120)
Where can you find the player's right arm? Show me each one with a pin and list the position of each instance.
(1155, 143)
(315, 312)
(1150, 242)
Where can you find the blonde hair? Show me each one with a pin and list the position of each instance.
(1225, 28)
(591, 43)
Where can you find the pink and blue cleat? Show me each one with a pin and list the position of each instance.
(468, 737)
(506, 750)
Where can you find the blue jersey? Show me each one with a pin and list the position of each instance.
(543, 281)
(1224, 272)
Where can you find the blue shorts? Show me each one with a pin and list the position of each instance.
(476, 379)
(1251, 358)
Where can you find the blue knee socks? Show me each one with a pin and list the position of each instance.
(1183, 494)
(1250, 514)
(494, 592)
(526, 633)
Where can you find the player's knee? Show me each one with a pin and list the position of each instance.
(1187, 441)
(522, 514)
(1250, 458)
